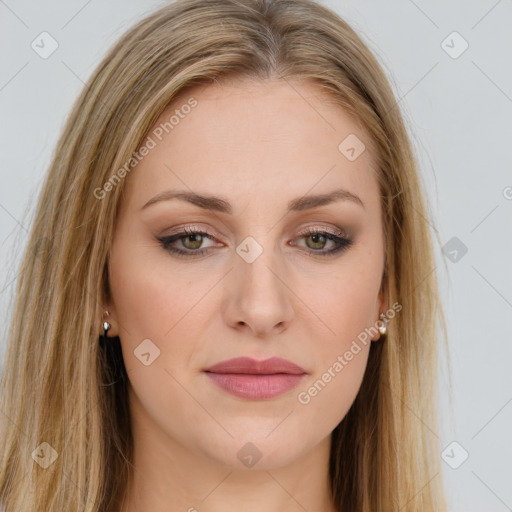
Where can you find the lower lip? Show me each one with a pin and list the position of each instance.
(256, 387)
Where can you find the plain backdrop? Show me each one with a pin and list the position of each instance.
(449, 64)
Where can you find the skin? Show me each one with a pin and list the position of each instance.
(258, 145)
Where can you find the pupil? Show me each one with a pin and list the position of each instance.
(316, 238)
(192, 241)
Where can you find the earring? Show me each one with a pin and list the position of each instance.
(383, 328)
(106, 326)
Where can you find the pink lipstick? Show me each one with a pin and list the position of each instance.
(248, 378)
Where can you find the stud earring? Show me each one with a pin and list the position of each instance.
(106, 325)
(383, 328)
(106, 328)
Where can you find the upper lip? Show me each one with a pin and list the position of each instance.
(252, 366)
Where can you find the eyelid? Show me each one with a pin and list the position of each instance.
(190, 229)
(314, 228)
(340, 238)
(322, 229)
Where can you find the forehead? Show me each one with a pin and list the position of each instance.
(249, 136)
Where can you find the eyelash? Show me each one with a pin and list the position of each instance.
(342, 241)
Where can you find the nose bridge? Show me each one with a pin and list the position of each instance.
(261, 299)
(256, 259)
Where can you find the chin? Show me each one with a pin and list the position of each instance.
(257, 453)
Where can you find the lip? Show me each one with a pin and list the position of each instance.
(248, 378)
(251, 366)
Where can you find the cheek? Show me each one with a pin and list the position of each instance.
(150, 296)
(156, 304)
(342, 347)
(345, 306)
(326, 399)
(157, 300)
(345, 301)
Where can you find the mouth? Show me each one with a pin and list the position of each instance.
(257, 380)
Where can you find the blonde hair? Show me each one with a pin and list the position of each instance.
(60, 387)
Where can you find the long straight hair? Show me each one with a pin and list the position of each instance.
(61, 387)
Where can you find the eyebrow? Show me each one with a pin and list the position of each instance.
(218, 204)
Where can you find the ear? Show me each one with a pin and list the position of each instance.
(383, 295)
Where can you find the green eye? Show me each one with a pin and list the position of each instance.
(320, 238)
(195, 240)
(190, 238)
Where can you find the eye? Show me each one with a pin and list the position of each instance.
(316, 239)
(191, 238)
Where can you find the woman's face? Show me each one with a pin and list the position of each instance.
(252, 282)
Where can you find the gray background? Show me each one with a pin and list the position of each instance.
(459, 111)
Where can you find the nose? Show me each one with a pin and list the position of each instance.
(258, 298)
